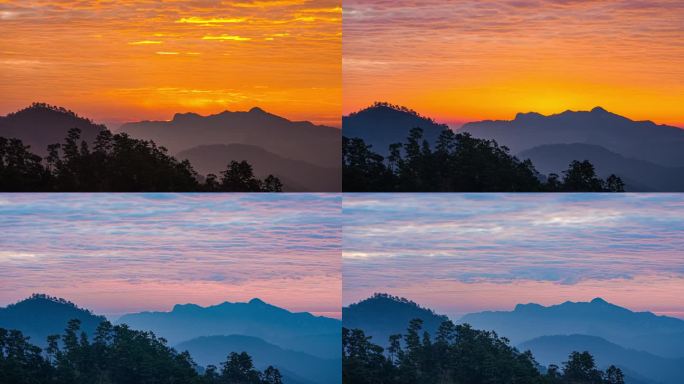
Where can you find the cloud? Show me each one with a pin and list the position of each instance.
(226, 37)
(145, 42)
(509, 240)
(213, 20)
(282, 247)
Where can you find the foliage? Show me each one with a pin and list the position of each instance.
(458, 163)
(116, 163)
(116, 354)
(457, 355)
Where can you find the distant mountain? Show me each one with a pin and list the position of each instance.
(40, 125)
(383, 315)
(638, 175)
(297, 140)
(297, 176)
(40, 316)
(641, 140)
(382, 124)
(555, 350)
(214, 349)
(596, 318)
(318, 336)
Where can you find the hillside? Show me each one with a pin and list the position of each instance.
(383, 315)
(301, 331)
(596, 318)
(296, 176)
(40, 316)
(214, 349)
(554, 349)
(40, 125)
(639, 175)
(382, 124)
(296, 140)
(640, 140)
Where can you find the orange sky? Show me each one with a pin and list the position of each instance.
(470, 60)
(127, 60)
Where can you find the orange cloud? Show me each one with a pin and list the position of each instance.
(111, 46)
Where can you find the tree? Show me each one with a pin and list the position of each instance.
(458, 163)
(614, 376)
(116, 355)
(116, 163)
(239, 369)
(581, 368)
(459, 354)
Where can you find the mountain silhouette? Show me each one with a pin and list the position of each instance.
(638, 175)
(640, 140)
(553, 349)
(40, 125)
(596, 318)
(383, 315)
(40, 316)
(383, 124)
(296, 175)
(207, 350)
(296, 140)
(302, 331)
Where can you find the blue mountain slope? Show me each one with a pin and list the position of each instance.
(596, 318)
(214, 349)
(383, 315)
(319, 336)
(555, 349)
(40, 316)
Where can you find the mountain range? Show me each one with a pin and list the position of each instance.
(304, 347)
(647, 156)
(646, 346)
(306, 157)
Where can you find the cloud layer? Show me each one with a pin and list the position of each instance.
(465, 252)
(120, 253)
(284, 56)
(475, 59)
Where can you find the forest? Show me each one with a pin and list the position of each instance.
(116, 355)
(458, 163)
(116, 163)
(458, 354)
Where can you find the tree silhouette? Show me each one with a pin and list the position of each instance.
(116, 163)
(458, 354)
(458, 163)
(116, 355)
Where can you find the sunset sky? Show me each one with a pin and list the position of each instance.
(467, 60)
(471, 252)
(127, 60)
(116, 254)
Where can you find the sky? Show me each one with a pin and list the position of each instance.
(130, 60)
(124, 253)
(464, 253)
(466, 60)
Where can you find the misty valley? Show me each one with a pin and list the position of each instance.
(45, 339)
(51, 149)
(390, 148)
(388, 339)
